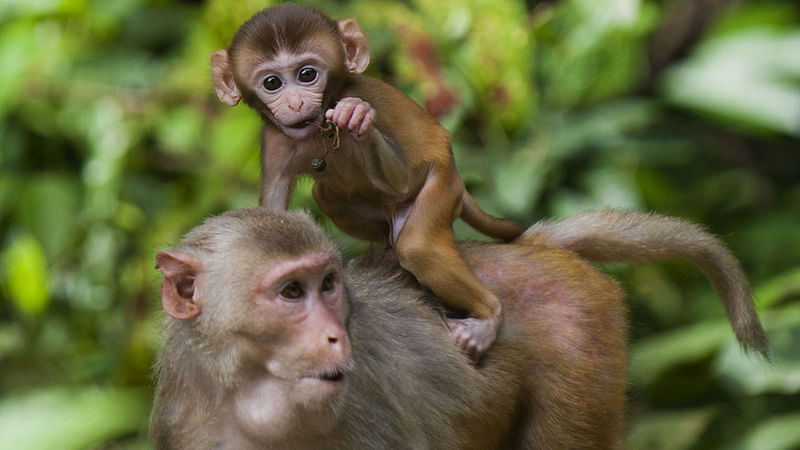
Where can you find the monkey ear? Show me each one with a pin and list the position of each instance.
(227, 89)
(356, 52)
(178, 288)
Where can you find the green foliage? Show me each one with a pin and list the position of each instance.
(26, 275)
(764, 60)
(112, 144)
(63, 419)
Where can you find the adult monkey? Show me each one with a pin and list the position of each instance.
(272, 344)
(390, 176)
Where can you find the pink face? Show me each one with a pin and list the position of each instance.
(292, 86)
(299, 307)
(305, 298)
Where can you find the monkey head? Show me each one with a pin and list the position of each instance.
(263, 307)
(289, 63)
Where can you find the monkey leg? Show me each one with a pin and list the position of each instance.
(426, 248)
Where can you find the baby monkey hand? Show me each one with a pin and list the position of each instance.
(352, 114)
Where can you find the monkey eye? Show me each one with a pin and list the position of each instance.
(307, 74)
(272, 83)
(329, 282)
(292, 291)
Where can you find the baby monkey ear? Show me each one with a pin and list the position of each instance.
(356, 52)
(178, 288)
(221, 73)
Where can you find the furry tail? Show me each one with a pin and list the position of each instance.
(617, 236)
(486, 223)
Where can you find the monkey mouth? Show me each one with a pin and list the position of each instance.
(302, 129)
(334, 376)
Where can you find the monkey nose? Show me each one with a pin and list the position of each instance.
(296, 104)
(340, 345)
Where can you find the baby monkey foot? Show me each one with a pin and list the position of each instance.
(474, 336)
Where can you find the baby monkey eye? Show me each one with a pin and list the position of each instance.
(329, 282)
(292, 291)
(307, 74)
(272, 83)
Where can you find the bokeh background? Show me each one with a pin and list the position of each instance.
(113, 144)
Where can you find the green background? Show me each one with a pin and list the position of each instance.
(113, 144)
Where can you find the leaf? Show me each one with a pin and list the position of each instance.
(16, 46)
(27, 275)
(49, 206)
(747, 79)
(12, 339)
(180, 129)
(653, 356)
(604, 126)
(65, 419)
(779, 288)
(519, 180)
(669, 430)
(234, 140)
(776, 433)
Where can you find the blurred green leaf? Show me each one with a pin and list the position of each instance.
(652, 356)
(235, 140)
(776, 433)
(745, 16)
(32, 7)
(519, 181)
(779, 288)
(604, 127)
(747, 79)
(12, 339)
(26, 273)
(16, 44)
(49, 206)
(590, 51)
(180, 130)
(65, 419)
(673, 430)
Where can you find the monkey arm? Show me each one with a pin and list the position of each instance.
(275, 194)
(385, 161)
(277, 178)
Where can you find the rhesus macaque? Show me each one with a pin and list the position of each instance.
(271, 343)
(390, 174)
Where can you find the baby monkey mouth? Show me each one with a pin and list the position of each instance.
(300, 125)
(306, 122)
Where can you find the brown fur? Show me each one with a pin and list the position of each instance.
(391, 178)
(616, 236)
(555, 378)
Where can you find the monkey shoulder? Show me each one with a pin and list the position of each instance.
(392, 313)
(405, 359)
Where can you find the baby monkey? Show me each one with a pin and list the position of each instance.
(383, 167)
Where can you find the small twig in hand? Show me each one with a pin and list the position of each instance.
(328, 130)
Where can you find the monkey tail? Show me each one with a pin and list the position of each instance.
(608, 236)
(486, 223)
